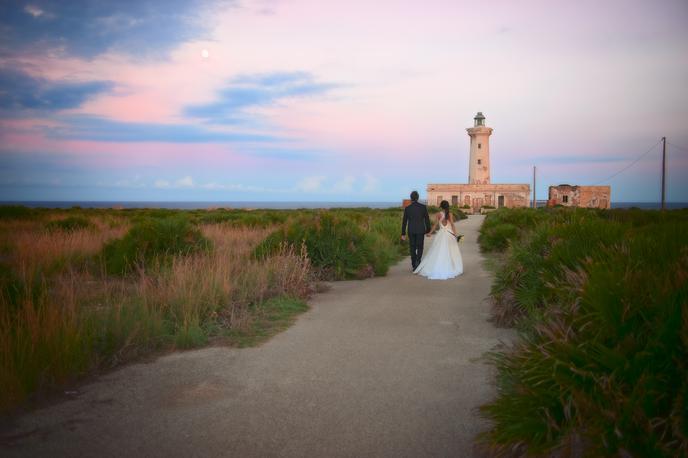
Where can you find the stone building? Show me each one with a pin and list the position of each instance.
(580, 196)
(479, 191)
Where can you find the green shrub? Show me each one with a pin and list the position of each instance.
(69, 224)
(190, 335)
(244, 218)
(523, 285)
(458, 214)
(16, 212)
(496, 237)
(380, 254)
(153, 240)
(602, 359)
(15, 291)
(506, 225)
(342, 244)
(335, 244)
(638, 217)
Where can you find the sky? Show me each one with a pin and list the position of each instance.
(323, 100)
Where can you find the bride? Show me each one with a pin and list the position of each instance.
(443, 259)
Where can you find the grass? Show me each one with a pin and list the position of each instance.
(601, 303)
(505, 226)
(153, 240)
(71, 223)
(82, 290)
(342, 244)
(269, 318)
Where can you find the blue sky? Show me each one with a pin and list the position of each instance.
(336, 101)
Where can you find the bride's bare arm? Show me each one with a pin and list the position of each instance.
(437, 223)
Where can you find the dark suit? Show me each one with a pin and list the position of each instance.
(418, 221)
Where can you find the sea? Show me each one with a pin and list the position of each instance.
(280, 205)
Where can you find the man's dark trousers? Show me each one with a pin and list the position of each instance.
(417, 221)
(416, 242)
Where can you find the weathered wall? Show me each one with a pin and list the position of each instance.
(479, 157)
(477, 195)
(580, 196)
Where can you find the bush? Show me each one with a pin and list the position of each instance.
(523, 285)
(246, 218)
(505, 225)
(458, 214)
(335, 244)
(15, 212)
(153, 240)
(638, 217)
(69, 224)
(338, 245)
(497, 237)
(602, 360)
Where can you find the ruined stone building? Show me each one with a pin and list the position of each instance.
(479, 191)
(580, 196)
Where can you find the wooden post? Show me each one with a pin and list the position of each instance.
(663, 173)
(534, 194)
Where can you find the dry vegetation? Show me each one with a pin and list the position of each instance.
(62, 316)
(85, 290)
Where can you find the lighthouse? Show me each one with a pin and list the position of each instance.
(479, 193)
(479, 162)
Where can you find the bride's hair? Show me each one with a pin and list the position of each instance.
(444, 205)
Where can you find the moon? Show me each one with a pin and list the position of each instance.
(205, 54)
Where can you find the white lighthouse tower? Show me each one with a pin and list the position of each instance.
(479, 163)
(479, 193)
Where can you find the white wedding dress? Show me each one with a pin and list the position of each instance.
(443, 258)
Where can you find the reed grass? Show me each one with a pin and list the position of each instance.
(601, 364)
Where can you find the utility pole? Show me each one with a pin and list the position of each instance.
(534, 195)
(663, 173)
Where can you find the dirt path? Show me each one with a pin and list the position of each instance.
(381, 367)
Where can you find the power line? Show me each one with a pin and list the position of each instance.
(679, 147)
(631, 164)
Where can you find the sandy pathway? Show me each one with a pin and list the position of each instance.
(381, 367)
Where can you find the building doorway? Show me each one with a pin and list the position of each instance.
(455, 201)
(500, 201)
(477, 203)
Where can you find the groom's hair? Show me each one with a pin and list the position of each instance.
(414, 196)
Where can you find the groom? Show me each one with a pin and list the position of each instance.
(418, 221)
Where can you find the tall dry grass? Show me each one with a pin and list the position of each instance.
(61, 316)
(30, 247)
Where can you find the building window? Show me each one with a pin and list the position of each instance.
(565, 199)
(479, 145)
(480, 161)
